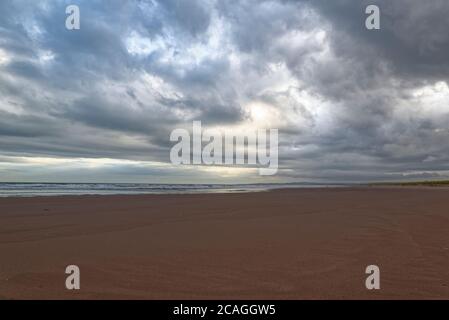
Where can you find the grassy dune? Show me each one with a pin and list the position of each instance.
(441, 183)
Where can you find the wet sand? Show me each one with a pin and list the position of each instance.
(282, 244)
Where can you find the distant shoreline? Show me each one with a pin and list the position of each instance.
(86, 189)
(441, 183)
(32, 189)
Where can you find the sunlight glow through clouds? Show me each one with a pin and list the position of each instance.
(4, 58)
(139, 45)
(105, 162)
(84, 170)
(433, 98)
(46, 56)
(263, 115)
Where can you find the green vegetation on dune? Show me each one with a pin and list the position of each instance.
(440, 183)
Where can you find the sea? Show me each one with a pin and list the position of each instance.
(64, 189)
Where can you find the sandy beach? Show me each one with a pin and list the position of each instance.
(282, 244)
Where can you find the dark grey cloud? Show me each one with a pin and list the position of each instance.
(351, 104)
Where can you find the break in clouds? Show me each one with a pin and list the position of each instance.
(99, 103)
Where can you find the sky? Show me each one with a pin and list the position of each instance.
(98, 104)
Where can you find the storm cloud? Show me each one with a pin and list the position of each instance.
(350, 104)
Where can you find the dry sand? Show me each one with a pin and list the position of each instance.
(284, 244)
